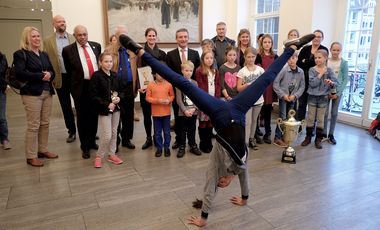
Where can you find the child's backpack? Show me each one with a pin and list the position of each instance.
(374, 129)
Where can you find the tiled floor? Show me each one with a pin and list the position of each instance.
(337, 187)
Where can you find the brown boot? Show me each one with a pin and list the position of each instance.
(318, 138)
(309, 133)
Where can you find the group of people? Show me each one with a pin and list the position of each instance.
(216, 89)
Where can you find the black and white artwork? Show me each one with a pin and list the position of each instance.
(166, 16)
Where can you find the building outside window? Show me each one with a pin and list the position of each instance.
(356, 49)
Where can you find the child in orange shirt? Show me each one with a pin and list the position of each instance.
(160, 94)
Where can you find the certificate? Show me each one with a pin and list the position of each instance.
(145, 76)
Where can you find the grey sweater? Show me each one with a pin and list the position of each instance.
(289, 82)
(220, 164)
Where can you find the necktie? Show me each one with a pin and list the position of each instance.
(183, 55)
(88, 60)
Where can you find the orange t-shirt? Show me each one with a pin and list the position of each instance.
(157, 91)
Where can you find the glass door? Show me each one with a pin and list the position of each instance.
(359, 102)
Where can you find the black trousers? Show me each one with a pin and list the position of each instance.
(87, 119)
(127, 106)
(65, 102)
(147, 113)
(188, 127)
(266, 113)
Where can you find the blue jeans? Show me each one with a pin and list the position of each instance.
(162, 124)
(221, 113)
(334, 115)
(284, 108)
(3, 118)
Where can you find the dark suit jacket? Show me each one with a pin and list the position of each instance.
(29, 68)
(173, 60)
(74, 67)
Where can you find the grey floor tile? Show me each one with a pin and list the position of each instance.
(4, 196)
(137, 214)
(30, 214)
(36, 193)
(63, 223)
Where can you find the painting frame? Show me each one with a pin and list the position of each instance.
(194, 23)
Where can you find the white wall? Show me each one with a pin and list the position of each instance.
(294, 14)
(82, 12)
(305, 15)
(90, 14)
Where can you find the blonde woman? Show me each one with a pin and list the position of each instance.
(34, 67)
(244, 41)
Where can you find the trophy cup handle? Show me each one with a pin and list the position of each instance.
(292, 113)
(279, 123)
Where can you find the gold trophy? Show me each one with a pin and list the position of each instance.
(114, 94)
(290, 131)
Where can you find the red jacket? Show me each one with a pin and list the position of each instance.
(203, 82)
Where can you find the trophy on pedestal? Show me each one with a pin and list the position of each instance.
(290, 131)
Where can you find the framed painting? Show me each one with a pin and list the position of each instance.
(166, 16)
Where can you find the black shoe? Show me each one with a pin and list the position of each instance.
(129, 44)
(94, 146)
(86, 154)
(252, 144)
(71, 138)
(259, 133)
(267, 139)
(258, 140)
(175, 145)
(128, 144)
(181, 152)
(299, 42)
(158, 153)
(332, 139)
(147, 143)
(194, 150)
(167, 152)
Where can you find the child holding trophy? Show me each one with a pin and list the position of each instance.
(104, 90)
(289, 86)
(322, 82)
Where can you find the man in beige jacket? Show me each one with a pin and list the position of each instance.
(53, 45)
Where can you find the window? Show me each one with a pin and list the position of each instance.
(359, 24)
(267, 20)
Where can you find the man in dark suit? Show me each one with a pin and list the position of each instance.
(53, 45)
(80, 59)
(174, 59)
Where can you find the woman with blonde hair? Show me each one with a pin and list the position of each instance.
(35, 69)
(244, 41)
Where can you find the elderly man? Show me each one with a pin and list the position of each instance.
(125, 66)
(80, 59)
(54, 45)
(221, 42)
